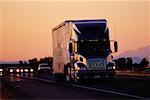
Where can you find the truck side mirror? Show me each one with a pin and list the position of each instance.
(70, 47)
(115, 46)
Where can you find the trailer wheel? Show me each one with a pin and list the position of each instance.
(67, 78)
(67, 73)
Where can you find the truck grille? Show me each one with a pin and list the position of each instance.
(97, 64)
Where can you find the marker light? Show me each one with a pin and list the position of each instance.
(78, 68)
(114, 67)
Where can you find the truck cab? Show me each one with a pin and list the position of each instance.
(87, 49)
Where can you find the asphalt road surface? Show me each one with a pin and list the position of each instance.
(26, 88)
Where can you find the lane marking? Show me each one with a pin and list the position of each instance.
(89, 88)
(40, 79)
(108, 91)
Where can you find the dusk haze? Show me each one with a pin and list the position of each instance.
(74, 49)
(26, 26)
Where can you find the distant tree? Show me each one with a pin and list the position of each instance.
(48, 60)
(25, 62)
(120, 63)
(33, 63)
(129, 63)
(144, 63)
(20, 62)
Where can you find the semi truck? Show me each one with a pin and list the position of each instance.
(82, 49)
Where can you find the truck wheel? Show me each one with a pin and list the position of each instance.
(76, 80)
(67, 73)
(67, 78)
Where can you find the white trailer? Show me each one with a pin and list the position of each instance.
(81, 49)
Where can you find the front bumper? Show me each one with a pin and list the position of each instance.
(92, 73)
(45, 71)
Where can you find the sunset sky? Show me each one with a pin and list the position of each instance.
(25, 26)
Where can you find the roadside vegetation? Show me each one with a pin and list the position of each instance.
(124, 64)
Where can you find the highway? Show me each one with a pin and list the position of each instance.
(43, 87)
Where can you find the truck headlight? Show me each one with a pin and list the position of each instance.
(114, 67)
(111, 65)
(1, 70)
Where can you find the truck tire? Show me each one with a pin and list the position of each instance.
(67, 73)
(67, 78)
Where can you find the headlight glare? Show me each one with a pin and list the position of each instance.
(31, 70)
(11, 70)
(17, 70)
(114, 67)
(1, 70)
(21, 70)
(26, 70)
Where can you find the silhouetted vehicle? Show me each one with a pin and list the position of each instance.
(44, 68)
(81, 49)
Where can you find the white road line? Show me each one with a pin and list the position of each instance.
(108, 91)
(44, 80)
(40, 79)
(90, 88)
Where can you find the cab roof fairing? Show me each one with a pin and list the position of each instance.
(80, 21)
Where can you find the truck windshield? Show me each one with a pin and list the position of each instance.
(94, 48)
(92, 31)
